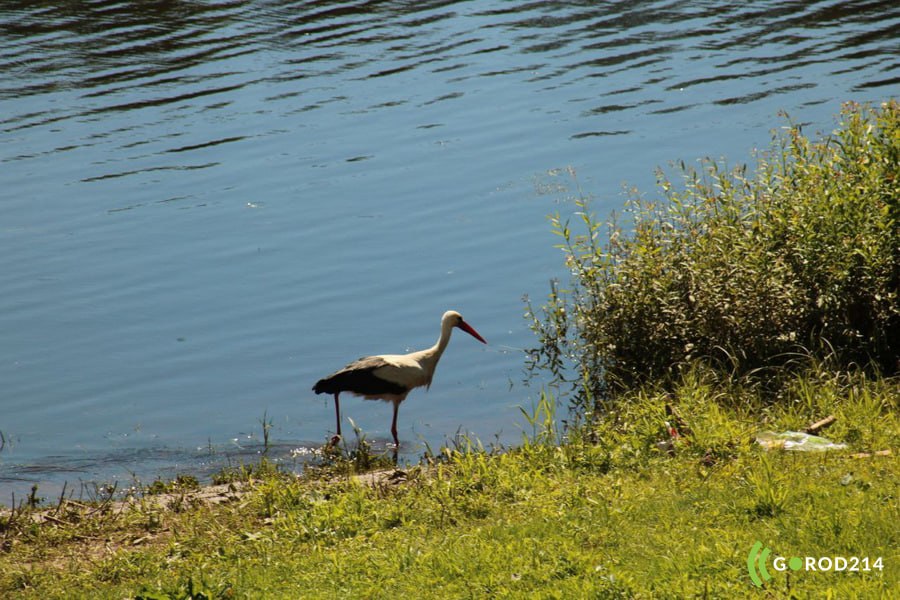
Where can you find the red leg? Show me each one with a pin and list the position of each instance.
(394, 425)
(337, 416)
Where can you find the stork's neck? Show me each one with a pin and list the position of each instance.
(429, 357)
(441, 344)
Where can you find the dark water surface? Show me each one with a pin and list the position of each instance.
(205, 206)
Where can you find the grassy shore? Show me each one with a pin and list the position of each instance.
(624, 516)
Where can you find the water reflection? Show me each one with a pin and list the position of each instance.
(201, 56)
(96, 48)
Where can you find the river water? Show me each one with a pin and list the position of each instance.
(207, 205)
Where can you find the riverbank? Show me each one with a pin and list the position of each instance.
(637, 514)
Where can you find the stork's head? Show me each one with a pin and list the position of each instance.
(452, 318)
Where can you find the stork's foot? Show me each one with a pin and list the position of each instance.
(396, 450)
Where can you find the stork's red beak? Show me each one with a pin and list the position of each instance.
(471, 331)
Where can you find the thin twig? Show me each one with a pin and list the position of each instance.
(820, 425)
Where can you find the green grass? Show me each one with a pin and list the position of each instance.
(613, 517)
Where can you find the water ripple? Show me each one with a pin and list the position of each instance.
(187, 59)
(100, 50)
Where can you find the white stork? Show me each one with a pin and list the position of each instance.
(390, 377)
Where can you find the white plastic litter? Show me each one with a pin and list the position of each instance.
(796, 441)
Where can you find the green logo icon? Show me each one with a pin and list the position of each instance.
(758, 558)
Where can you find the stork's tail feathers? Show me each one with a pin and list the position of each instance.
(324, 386)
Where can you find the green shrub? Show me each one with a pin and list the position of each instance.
(739, 271)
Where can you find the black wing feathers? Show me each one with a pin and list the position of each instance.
(359, 378)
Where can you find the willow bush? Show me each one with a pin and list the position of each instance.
(740, 271)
